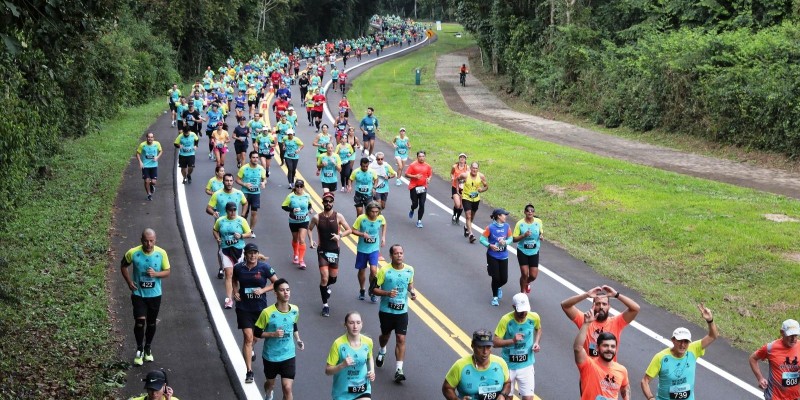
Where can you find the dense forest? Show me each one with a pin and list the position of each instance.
(66, 65)
(728, 71)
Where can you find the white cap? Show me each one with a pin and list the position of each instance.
(521, 303)
(790, 327)
(290, 131)
(682, 334)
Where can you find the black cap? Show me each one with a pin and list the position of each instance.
(230, 206)
(482, 337)
(155, 380)
(299, 183)
(250, 247)
(499, 211)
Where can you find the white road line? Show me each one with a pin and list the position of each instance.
(569, 285)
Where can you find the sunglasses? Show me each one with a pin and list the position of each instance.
(327, 201)
(380, 159)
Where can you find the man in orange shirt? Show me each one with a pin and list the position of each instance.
(419, 174)
(601, 377)
(602, 322)
(784, 369)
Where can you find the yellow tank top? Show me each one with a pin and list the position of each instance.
(471, 186)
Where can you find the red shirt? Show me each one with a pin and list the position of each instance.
(416, 168)
(344, 103)
(319, 101)
(280, 105)
(342, 80)
(276, 77)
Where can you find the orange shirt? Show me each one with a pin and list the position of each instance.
(783, 370)
(456, 173)
(599, 380)
(614, 324)
(416, 168)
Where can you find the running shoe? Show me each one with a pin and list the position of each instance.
(149, 197)
(148, 355)
(152, 188)
(248, 378)
(361, 295)
(268, 396)
(472, 238)
(499, 293)
(173, 124)
(454, 220)
(411, 214)
(213, 158)
(399, 376)
(252, 235)
(188, 179)
(379, 359)
(326, 311)
(220, 273)
(373, 299)
(252, 355)
(466, 231)
(528, 289)
(139, 358)
(419, 224)
(210, 156)
(228, 303)
(296, 259)
(495, 301)
(303, 265)
(184, 181)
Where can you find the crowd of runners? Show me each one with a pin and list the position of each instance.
(245, 90)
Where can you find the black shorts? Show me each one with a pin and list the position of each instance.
(393, 322)
(361, 199)
(172, 106)
(316, 114)
(254, 200)
(186, 161)
(180, 125)
(366, 137)
(246, 319)
(454, 191)
(471, 206)
(150, 173)
(145, 307)
(252, 103)
(328, 258)
(268, 156)
(330, 186)
(530, 261)
(295, 227)
(381, 196)
(286, 369)
(240, 147)
(234, 254)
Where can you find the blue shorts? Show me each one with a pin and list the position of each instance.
(150, 173)
(366, 137)
(363, 259)
(254, 200)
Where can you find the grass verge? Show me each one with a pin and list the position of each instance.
(675, 239)
(55, 334)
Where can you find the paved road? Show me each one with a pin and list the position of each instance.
(451, 279)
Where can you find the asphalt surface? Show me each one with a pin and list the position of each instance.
(450, 278)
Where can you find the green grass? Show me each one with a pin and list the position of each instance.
(55, 333)
(677, 240)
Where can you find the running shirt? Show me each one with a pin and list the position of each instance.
(148, 153)
(220, 138)
(323, 141)
(282, 128)
(319, 101)
(401, 151)
(470, 190)
(249, 280)
(241, 101)
(291, 148)
(327, 172)
(493, 233)
(221, 198)
(291, 119)
(174, 95)
(478, 384)
(364, 181)
(416, 168)
(180, 109)
(299, 205)
(675, 375)
(599, 382)
(457, 171)
(141, 262)
(614, 324)
(214, 117)
(264, 142)
(390, 278)
(529, 245)
(277, 349)
(256, 125)
(252, 175)
(192, 118)
(344, 150)
(241, 132)
(328, 226)
(214, 184)
(784, 370)
(198, 103)
(371, 228)
(186, 143)
(351, 382)
(384, 172)
(228, 227)
(520, 354)
(369, 124)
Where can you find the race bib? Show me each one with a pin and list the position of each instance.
(421, 189)
(249, 293)
(328, 174)
(187, 148)
(789, 379)
(357, 388)
(149, 157)
(220, 145)
(593, 350)
(382, 185)
(332, 258)
(529, 246)
(152, 284)
(680, 391)
(473, 195)
(300, 217)
(489, 392)
(231, 241)
(291, 154)
(402, 151)
(518, 358)
(369, 240)
(397, 306)
(363, 189)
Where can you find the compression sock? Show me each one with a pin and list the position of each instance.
(331, 280)
(301, 249)
(138, 333)
(294, 249)
(323, 292)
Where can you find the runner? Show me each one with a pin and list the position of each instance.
(281, 131)
(150, 265)
(156, 385)
(335, 75)
(252, 100)
(241, 104)
(419, 174)
(251, 280)
(277, 324)
(518, 333)
(148, 154)
(180, 109)
(384, 171)
(309, 103)
(782, 355)
(456, 187)
(265, 143)
(298, 205)
(241, 141)
(480, 375)
(344, 105)
(341, 125)
(328, 164)
(193, 119)
(174, 98)
(292, 146)
(365, 181)
(474, 185)
(601, 321)
(371, 231)
(395, 284)
(322, 139)
(350, 362)
(496, 237)
(401, 148)
(369, 126)
(303, 83)
(675, 367)
(346, 149)
(252, 178)
(186, 143)
(215, 118)
(219, 200)
(230, 231)
(528, 236)
(216, 182)
(220, 139)
(332, 227)
(317, 109)
(601, 376)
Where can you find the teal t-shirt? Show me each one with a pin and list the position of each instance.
(271, 319)
(478, 384)
(221, 198)
(148, 154)
(371, 228)
(351, 382)
(187, 144)
(675, 375)
(180, 109)
(363, 181)
(402, 147)
(390, 278)
(323, 142)
(141, 261)
(327, 173)
(292, 146)
(264, 142)
(253, 176)
(228, 227)
(345, 151)
(520, 354)
(529, 245)
(299, 205)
